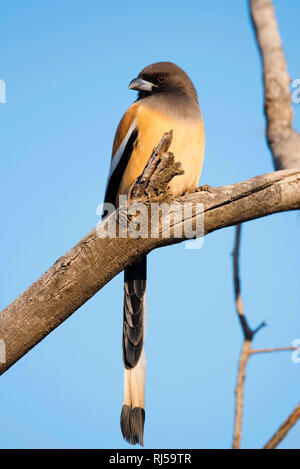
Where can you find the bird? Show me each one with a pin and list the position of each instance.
(166, 100)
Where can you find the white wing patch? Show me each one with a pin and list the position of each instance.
(118, 154)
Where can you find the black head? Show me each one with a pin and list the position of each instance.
(163, 77)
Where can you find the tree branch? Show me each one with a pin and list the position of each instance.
(158, 172)
(284, 143)
(284, 429)
(248, 333)
(94, 261)
(239, 393)
(273, 349)
(246, 348)
(283, 140)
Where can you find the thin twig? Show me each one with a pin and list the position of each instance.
(246, 348)
(283, 140)
(246, 352)
(274, 349)
(284, 429)
(248, 333)
(239, 393)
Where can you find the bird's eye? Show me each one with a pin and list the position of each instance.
(161, 78)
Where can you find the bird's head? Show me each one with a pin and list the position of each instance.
(163, 77)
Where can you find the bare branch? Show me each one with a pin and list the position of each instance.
(246, 352)
(246, 348)
(94, 261)
(284, 429)
(248, 333)
(283, 140)
(158, 172)
(239, 393)
(273, 349)
(237, 288)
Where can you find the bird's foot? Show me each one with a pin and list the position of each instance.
(205, 188)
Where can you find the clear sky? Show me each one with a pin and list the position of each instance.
(67, 66)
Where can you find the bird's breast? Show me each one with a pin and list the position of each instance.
(187, 145)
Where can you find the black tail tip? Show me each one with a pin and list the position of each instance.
(132, 424)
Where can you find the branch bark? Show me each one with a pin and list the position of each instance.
(247, 331)
(284, 429)
(239, 393)
(283, 140)
(246, 348)
(273, 349)
(94, 261)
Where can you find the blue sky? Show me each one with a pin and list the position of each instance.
(67, 66)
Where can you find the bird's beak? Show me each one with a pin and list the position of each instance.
(141, 85)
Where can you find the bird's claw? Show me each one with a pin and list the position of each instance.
(204, 188)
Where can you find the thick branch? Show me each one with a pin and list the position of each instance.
(283, 140)
(94, 261)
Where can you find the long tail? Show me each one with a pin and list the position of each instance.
(133, 410)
